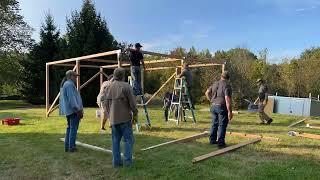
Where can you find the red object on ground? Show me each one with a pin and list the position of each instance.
(11, 121)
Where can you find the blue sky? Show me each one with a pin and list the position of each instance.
(284, 27)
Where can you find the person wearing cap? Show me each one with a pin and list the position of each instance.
(101, 101)
(187, 75)
(219, 94)
(121, 107)
(136, 59)
(71, 106)
(263, 99)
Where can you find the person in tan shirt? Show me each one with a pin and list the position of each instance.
(121, 107)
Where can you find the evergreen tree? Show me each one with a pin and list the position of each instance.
(88, 33)
(34, 65)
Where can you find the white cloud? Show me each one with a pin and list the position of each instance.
(166, 41)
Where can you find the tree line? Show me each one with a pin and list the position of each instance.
(22, 70)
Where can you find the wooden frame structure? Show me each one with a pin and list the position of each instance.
(110, 64)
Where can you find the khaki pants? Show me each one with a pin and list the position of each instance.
(263, 116)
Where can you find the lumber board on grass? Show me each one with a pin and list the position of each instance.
(193, 137)
(224, 150)
(310, 136)
(298, 122)
(253, 136)
(96, 148)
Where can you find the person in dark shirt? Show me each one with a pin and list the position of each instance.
(136, 58)
(187, 74)
(219, 94)
(263, 99)
(167, 103)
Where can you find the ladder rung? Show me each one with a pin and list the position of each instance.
(173, 120)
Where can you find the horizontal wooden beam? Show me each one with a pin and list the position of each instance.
(85, 57)
(224, 150)
(190, 138)
(308, 135)
(115, 66)
(159, 68)
(153, 53)
(161, 61)
(253, 136)
(204, 65)
(83, 66)
(101, 60)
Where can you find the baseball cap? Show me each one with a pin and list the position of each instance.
(137, 45)
(70, 73)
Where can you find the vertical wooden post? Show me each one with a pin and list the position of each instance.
(223, 68)
(78, 72)
(310, 96)
(47, 89)
(142, 81)
(101, 76)
(118, 58)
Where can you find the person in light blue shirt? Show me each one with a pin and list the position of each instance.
(71, 106)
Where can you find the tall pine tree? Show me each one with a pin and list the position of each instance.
(88, 33)
(34, 65)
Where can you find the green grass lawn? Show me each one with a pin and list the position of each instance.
(32, 150)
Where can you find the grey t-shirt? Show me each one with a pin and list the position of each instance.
(263, 89)
(218, 91)
(187, 74)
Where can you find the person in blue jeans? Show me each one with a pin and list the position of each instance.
(136, 59)
(71, 106)
(219, 94)
(121, 107)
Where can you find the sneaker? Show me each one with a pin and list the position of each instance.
(103, 129)
(269, 121)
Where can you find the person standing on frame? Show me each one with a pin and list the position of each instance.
(71, 106)
(187, 75)
(219, 94)
(136, 59)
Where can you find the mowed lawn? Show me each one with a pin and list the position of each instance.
(33, 150)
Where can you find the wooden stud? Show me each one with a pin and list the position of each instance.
(253, 136)
(312, 127)
(161, 61)
(152, 53)
(193, 137)
(78, 72)
(96, 148)
(69, 65)
(85, 57)
(165, 83)
(101, 60)
(91, 79)
(310, 136)
(118, 59)
(298, 122)
(224, 150)
(47, 88)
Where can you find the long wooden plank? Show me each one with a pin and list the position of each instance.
(159, 68)
(164, 84)
(115, 66)
(85, 57)
(253, 136)
(161, 61)
(204, 65)
(193, 137)
(298, 122)
(89, 146)
(69, 65)
(54, 102)
(152, 53)
(310, 136)
(224, 150)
